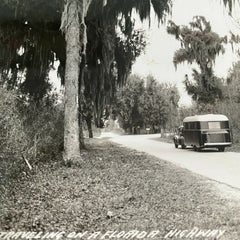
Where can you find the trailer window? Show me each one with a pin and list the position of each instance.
(204, 125)
(214, 125)
(224, 124)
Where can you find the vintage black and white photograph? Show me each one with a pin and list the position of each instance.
(120, 119)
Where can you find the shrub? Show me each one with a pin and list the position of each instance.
(231, 110)
(43, 124)
(29, 132)
(13, 140)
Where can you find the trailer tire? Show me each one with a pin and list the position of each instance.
(221, 149)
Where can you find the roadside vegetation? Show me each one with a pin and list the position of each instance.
(29, 132)
(117, 189)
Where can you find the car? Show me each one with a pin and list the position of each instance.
(204, 131)
(179, 138)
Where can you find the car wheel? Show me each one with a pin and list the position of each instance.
(196, 149)
(183, 146)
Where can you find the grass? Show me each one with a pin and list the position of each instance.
(115, 188)
(234, 148)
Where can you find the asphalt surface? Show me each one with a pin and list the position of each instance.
(223, 167)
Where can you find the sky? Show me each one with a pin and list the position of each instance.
(158, 55)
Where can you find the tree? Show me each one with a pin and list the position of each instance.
(154, 105)
(230, 105)
(160, 104)
(200, 45)
(229, 4)
(110, 55)
(45, 12)
(73, 25)
(114, 8)
(128, 105)
(171, 95)
(232, 89)
(29, 44)
(146, 103)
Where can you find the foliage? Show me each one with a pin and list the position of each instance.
(187, 111)
(204, 88)
(229, 4)
(109, 57)
(34, 27)
(41, 57)
(43, 125)
(200, 45)
(230, 105)
(128, 106)
(232, 90)
(142, 8)
(13, 140)
(28, 133)
(160, 103)
(29, 23)
(38, 12)
(146, 104)
(109, 61)
(30, 42)
(230, 109)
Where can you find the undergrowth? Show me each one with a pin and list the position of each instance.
(29, 132)
(117, 189)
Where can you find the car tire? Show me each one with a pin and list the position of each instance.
(196, 149)
(183, 146)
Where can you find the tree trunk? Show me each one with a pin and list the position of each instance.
(89, 125)
(81, 98)
(153, 128)
(81, 136)
(72, 18)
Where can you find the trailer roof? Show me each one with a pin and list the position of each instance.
(206, 118)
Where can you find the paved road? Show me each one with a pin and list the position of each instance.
(223, 167)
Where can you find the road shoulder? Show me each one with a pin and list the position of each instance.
(116, 188)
